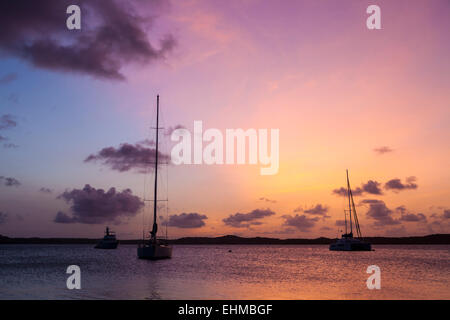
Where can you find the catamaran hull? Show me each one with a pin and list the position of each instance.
(350, 244)
(155, 252)
(365, 247)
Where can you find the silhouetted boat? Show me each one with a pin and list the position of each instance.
(109, 241)
(348, 242)
(155, 248)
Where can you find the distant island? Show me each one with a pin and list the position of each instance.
(234, 240)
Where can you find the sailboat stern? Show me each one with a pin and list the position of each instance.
(154, 251)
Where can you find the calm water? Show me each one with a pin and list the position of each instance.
(211, 272)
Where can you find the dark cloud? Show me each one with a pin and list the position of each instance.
(410, 217)
(7, 78)
(7, 121)
(186, 220)
(245, 220)
(113, 33)
(267, 200)
(383, 150)
(3, 217)
(9, 181)
(372, 187)
(446, 214)
(95, 206)
(2, 138)
(317, 210)
(128, 157)
(379, 212)
(45, 190)
(62, 217)
(340, 223)
(301, 222)
(397, 185)
(343, 192)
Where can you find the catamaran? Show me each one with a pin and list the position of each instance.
(347, 241)
(109, 241)
(155, 248)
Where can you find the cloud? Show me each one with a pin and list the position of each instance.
(340, 223)
(318, 209)
(7, 78)
(301, 222)
(372, 187)
(9, 181)
(128, 157)
(446, 214)
(397, 185)
(267, 200)
(113, 33)
(379, 212)
(245, 220)
(169, 130)
(45, 190)
(186, 220)
(95, 206)
(3, 217)
(2, 138)
(410, 217)
(147, 142)
(342, 191)
(383, 150)
(62, 217)
(7, 121)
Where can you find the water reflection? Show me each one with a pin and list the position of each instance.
(211, 272)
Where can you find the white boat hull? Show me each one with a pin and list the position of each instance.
(154, 252)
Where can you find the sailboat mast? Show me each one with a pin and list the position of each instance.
(155, 201)
(349, 203)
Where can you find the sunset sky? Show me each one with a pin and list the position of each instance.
(376, 102)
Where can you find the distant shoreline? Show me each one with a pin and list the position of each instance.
(235, 240)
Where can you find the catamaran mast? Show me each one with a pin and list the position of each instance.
(352, 208)
(155, 199)
(350, 198)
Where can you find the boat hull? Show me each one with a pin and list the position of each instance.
(108, 245)
(154, 252)
(350, 245)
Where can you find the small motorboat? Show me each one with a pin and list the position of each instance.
(109, 241)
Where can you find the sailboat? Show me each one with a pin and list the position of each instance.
(347, 241)
(154, 248)
(109, 241)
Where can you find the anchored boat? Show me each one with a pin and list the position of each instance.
(347, 241)
(155, 248)
(109, 241)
